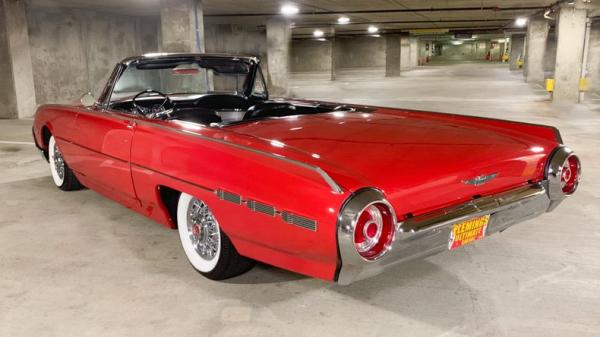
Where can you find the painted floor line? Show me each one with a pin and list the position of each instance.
(16, 143)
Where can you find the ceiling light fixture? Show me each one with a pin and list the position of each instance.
(520, 22)
(318, 33)
(372, 29)
(343, 20)
(289, 10)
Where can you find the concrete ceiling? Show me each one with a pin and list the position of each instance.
(387, 15)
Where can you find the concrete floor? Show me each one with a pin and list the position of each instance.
(76, 264)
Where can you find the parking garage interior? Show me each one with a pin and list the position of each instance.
(82, 265)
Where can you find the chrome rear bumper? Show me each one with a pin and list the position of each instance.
(428, 234)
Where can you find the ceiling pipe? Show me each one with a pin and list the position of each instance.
(315, 25)
(377, 11)
(480, 30)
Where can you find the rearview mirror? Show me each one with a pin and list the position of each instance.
(87, 100)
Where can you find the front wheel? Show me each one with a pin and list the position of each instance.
(62, 175)
(206, 246)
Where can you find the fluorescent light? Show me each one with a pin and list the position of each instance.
(289, 10)
(372, 29)
(318, 33)
(322, 39)
(520, 22)
(343, 20)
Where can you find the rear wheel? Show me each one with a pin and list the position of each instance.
(62, 175)
(206, 246)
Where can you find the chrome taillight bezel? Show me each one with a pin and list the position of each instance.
(554, 173)
(348, 218)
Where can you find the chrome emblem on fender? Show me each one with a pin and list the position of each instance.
(480, 180)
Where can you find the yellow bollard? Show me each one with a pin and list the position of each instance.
(584, 84)
(549, 84)
(520, 63)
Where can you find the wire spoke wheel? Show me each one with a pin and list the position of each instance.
(206, 246)
(203, 230)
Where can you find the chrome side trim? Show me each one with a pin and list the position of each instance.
(335, 188)
(260, 207)
(299, 221)
(428, 234)
(228, 196)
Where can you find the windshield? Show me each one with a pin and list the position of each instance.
(192, 77)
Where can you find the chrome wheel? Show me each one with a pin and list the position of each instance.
(59, 163)
(203, 230)
(206, 246)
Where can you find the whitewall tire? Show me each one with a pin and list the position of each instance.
(62, 176)
(206, 246)
(57, 164)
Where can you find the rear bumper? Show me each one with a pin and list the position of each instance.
(428, 234)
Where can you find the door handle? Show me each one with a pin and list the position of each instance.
(131, 124)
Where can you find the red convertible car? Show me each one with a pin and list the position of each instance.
(335, 191)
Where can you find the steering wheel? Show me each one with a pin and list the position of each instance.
(157, 110)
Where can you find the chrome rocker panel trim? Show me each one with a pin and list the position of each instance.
(428, 234)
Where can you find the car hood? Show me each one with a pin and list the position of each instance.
(419, 163)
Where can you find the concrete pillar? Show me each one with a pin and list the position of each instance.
(569, 53)
(537, 33)
(517, 43)
(404, 53)
(392, 55)
(278, 55)
(594, 56)
(17, 92)
(182, 26)
(414, 52)
(335, 54)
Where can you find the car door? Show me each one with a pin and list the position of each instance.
(104, 142)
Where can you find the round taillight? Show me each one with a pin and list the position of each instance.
(374, 231)
(570, 173)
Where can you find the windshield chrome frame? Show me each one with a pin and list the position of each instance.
(107, 93)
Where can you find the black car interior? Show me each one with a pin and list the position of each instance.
(222, 107)
(215, 108)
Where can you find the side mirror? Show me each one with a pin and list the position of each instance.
(87, 100)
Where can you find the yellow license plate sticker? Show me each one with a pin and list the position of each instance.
(468, 231)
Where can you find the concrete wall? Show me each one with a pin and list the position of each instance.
(74, 51)
(236, 39)
(310, 56)
(7, 88)
(467, 51)
(361, 52)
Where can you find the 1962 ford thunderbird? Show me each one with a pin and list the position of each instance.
(334, 191)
